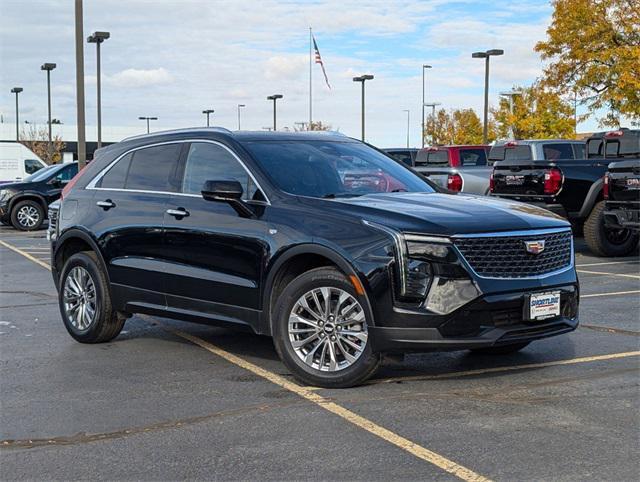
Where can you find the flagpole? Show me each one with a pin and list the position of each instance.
(310, 77)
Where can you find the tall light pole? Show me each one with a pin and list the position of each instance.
(239, 106)
(486, 55)
(274, 98)
(17, 90)
(208, 112)
(48, 67)
(408, 114)
(82, 139)
(97, 38)
(424, 67)
(433, 106)
(510, 96)
(362, 79)
(147, 119)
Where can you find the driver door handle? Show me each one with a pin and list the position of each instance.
(178, 213)
(107, 204)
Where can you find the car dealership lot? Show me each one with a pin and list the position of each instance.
(169, 400)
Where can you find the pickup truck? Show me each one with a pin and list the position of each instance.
(622, 188)
(572, 188)
(457, 168)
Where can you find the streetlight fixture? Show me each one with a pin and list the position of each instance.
(408, 114)
(424, 67)
(274, 98)
(362, 79)
(147, 119)
(48, 67)
(97, 38)
(486, 55)
(433, 106)
(208, 112)
(239, 106)
(17, 90)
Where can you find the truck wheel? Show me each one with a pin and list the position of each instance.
(500, 350)
(607, 241)
(27, 215)
(320, 330)
(85, 301)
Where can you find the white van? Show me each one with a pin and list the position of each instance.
(17, 162)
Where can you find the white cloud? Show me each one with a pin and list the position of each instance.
(131, 78)
(285, 67)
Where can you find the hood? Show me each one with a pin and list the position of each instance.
(449, 214)
(17, 186)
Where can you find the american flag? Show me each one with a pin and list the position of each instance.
(319, 61)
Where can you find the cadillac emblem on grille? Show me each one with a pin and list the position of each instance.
(534, 247)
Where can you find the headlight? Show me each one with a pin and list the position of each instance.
(418, 254)
(4, 194)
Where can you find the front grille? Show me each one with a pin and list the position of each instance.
(507, 257)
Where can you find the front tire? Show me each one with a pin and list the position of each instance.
(321, 333)
(27, 215)
(607, 242)
(85, 301)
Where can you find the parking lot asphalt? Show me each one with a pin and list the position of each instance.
(168, 400)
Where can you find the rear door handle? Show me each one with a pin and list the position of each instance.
(107, 204)
(178, 213)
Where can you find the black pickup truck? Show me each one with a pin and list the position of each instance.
(574, 188)
(622, 194)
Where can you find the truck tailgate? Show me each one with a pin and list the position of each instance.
(520, 178)
(624, 181)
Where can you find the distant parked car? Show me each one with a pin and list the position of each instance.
(457, 168)
(406, 155)
(24, 204)
(17, 161)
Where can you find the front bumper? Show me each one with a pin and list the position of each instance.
(492, 320)
(4, 211)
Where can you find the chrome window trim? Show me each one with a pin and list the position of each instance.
(531, 232)
(101, 174)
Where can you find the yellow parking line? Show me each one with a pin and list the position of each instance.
(385, 434)
(631, 261)
(635, 276)
(482, 371)
(613, 293)
(26, 255)
(405, 444)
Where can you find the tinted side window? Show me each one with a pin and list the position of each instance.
(518, 153)
(611, 148)
(152, 168)
(67, 173)
(594, 147)
(496, 154)
(557, 151)
(402, 156)
(473, 157)
(31, 166)
(578, 150)
(117, 175)
(211, 162)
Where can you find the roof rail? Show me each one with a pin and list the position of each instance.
(178, 131)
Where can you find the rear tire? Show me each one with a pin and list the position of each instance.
(84, 285)
(27, 215)
(325, 347)
(607, 242)
(499, 350)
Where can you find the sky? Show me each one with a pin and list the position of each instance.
(172, 59)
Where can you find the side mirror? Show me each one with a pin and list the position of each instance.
(222, 191)
(229, 192)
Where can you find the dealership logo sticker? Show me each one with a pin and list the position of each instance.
(534, 247)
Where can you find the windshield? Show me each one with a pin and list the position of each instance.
(333, 169)
(42, 173)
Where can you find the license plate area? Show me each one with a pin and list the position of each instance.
(540, 306)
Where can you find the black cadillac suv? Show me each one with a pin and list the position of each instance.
(323, 242)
